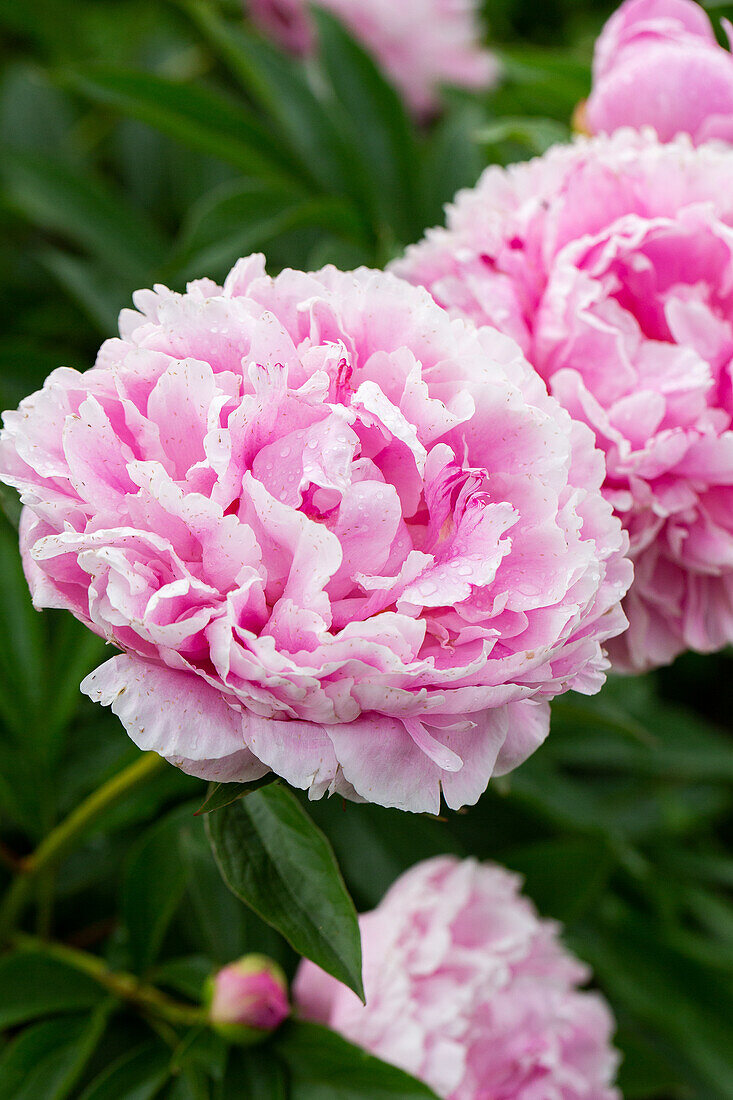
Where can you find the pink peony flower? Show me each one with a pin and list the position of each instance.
(611, 261)
(336, 534)
(657, 63)
(420, 44)
(470, 991)
(248, 998)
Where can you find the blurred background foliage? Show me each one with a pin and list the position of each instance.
(158, 140)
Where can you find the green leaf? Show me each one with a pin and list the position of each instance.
(534, 135)
(563, 877)
(35, 115)
(47, 1059)
(374, 845)
(9, 500)
(213, 918)
(712, 912)
(233, 220)
(703, 867)
(63, 200)
(201, 1050)
(278, 862)
(73, 652)
(153, 887)
(254, 1074)
(631, 807)
(190, 1084)
(279, 85)
(199, 118)
(238, 218)
(223, 794)
(670, 743)
(24, 364)
(323, 1066)
(187, 975)
(138, 1075)
(22, 664)
(98, 294)
(82, 1050)
(644, 1073)
(687, 1005)
(452, 160)
(22, 795)
(33, 985)
(376, 127)
(540, 82)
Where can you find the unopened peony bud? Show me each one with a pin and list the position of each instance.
(248, 999)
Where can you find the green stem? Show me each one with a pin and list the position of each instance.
(120, 984)
(62, 839)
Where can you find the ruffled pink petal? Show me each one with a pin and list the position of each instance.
(336, 533)
(616, 257)
(469, 990)
(176, 715)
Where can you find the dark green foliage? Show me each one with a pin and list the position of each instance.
(278, 862)
(323, 1066)
(158, 140)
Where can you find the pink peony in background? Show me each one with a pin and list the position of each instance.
(467, 989)
(420, 44)
(611, 262)
(657, 62)
(336, 534)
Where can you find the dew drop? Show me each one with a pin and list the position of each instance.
(428, 588)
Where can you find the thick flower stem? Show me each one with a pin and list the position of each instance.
(120, 984)
(62, 839)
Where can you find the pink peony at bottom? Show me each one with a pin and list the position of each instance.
(611, 262)
(336, 535)
(658, 63)
(420, 44)
(470, 991)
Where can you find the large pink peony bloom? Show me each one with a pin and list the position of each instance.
(420, 44)
(467, 989)
(657, 63)
(336, 534)
(611, 261)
